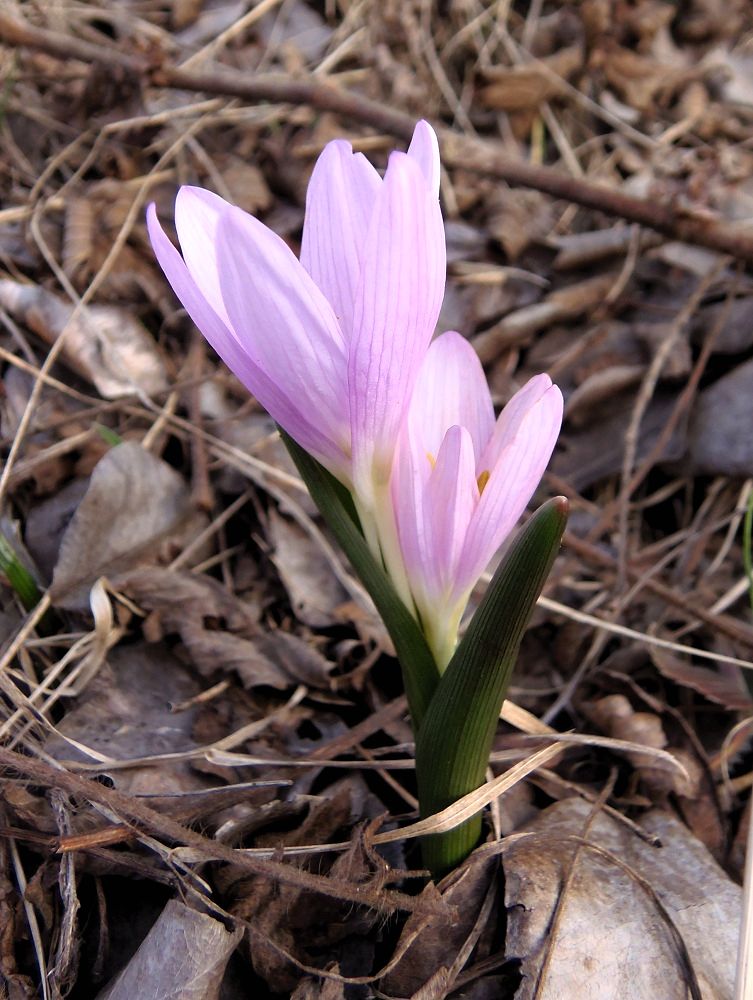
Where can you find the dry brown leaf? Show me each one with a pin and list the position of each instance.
(615, 716)
(720, 438)
(518, 218)
(521, 88)
(221, 632)
(433, 944)
(639, 80)
(246, 185)
(184, 955)
(126, 712)
(610, 940)
(723, 684)
(312, 587)
(295, 919)
(133, 502)
(106, 345)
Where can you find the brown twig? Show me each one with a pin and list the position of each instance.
(478, 155)
(144, 818)
(723, 624)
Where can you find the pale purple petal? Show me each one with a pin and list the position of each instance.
(450, 500)
(424, 149)
(510, 419)
(283, 321)
(197, 213)
(512, 481)
(227, 346)
(339, 203)
(451, 388)
(396, 308)
(407, 492)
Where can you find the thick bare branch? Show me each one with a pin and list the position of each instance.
(478, 155)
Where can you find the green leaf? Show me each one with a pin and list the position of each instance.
(108, 435)
(18, 576)
(454, 740)
(420, 673)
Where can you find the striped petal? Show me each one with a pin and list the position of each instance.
(450, 500)
(433, 519)
(528, 439)
(227, 345)
(508, 424)
(284, 323)
(197, 214)
(451, 388)
(396, 308)
(339, 204)
(424, 149)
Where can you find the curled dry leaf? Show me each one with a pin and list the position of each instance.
(610, 938)
(432, 945)
(301, 923)
(134, 501)
(519, 218)
(184, 955)
(221, 632)
(617, 718)
(523, 88)
(722, 684)
(105, 344)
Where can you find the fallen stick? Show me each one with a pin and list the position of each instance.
(677, 221)
(141, 817)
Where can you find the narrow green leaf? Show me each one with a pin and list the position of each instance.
(454, 740)
(420, 674)
(108, 435)
(18, 576)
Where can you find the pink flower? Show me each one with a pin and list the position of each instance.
(330, 345)
(462, 481)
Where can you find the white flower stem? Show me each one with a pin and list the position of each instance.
(380, 530)
(442, 634)
(390, 544)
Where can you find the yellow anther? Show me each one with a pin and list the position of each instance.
(482, 480)
(432, 460)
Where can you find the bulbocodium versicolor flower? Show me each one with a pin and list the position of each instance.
(461, 480)
(330, 345)
(336, 347)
